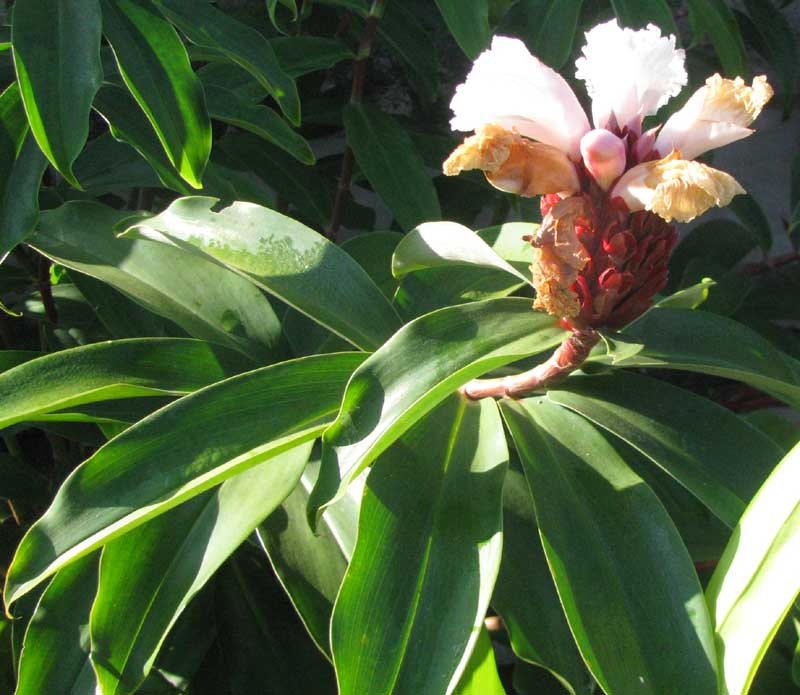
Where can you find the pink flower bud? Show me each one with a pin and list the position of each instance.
(604, 156)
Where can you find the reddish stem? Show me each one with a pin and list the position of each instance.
(568, 357)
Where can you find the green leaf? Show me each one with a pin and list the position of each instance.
(638, 13)
(480, 677)
(55, 655)
(105, 371)
(526, 597)
(373, 252)
(148, 577)
(153, 62)
(778, 428)
(285, 258)
(310, 565)
(468, 23)
(688, 298)
(13, 358)
(229, 107)
(206, 26)
(547, 27)
(57, 56)
(178, 452)
(417, 369)
(13, 128)
(390, 161)
(715, 18)
(431, 512)
(360, 7)
(439, 244)
(756, 580)
(206, 300)
(272, 10)
(406, 37)
(128, 124)
(709, 450)
(261, 639)
(602, 526)
(301, 55)
(19, 206)
(752, 216)
(726, 348)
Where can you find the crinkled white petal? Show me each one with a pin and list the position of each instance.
(630, 73)
(511, 88)
(717, 114)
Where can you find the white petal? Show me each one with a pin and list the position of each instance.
(511, 88)
(717, 114)
(630, 73)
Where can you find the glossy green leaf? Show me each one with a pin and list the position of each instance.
(206, 26)
(287, 259)
(261, 639)
(373, 252)
(480, 677)
(227, 106)
(111, 370)
(468, 23)
(638, 13)
(55, 654)
(57, 57)
(705, 447)
(389, 159)
(272, 10)
(12, 358)
(726, 348)
(439, 244)
(715, 18)
(178, 452)
(426, 558)
(689, 297)
(417, 369)
(310, 565)
(548, 28)
(153, 62)
(129, 125)
(526, 597)
(780, 429)
(148, 577)
(19, 205)
(13, 128)
(752, 216)
(301, 55)
(602, 526)
(756, 581)
(206, 300)
(108, 165)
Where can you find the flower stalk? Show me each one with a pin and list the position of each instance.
(568, 357)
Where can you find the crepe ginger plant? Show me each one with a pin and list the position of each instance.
(608, 192)
(254, 445)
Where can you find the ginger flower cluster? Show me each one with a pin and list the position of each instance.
(610, 191)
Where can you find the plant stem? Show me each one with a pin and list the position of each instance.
(46, 290)
(570, 355)
(356, 95)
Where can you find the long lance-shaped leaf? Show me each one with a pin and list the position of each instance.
(426, 558)
(209, 302)
(57, 56)
(468, 23)
(148, 577)
(699, 341)
(416, 370)
(620, 567)
(309, 565)
(286, 258)
(756, 581)
(135, 368)
(480, 677)
(526, 597)
(154, 64)
(177, 453)
(440, 244)
(13, 129)
(55, 654)
(206, 26)
(713, 453)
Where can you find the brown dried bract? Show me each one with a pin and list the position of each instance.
(558, 258)
(514, 164)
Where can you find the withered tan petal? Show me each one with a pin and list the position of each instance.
(558, 259)
(733, 101)
(513, 163)
(676, 188)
